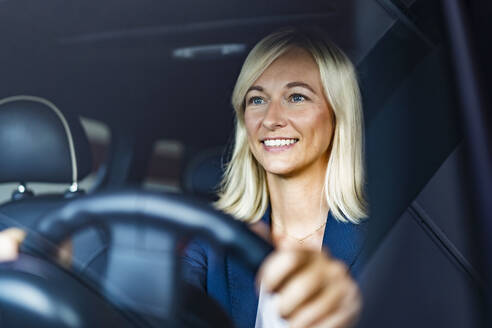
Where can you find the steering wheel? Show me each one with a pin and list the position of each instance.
(176, 219)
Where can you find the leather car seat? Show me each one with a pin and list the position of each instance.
(40, 143)
(202, 174)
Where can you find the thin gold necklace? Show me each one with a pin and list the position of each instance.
(299, 240)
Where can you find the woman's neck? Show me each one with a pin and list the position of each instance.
(298, 204)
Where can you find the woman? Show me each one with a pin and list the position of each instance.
(296, 166)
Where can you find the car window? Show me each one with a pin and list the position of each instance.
(165, 166)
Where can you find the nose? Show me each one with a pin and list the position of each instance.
(274, 116)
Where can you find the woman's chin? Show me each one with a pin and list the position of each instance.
(280, 170)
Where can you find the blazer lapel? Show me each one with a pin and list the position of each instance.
(242, 293)
(344, 241)
(242, 290)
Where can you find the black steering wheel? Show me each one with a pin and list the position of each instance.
(177, 219)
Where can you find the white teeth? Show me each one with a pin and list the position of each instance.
(279, 142)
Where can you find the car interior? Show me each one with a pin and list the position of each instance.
(116, 124)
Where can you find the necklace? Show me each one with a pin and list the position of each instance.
(299, 240)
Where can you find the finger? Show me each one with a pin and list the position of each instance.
(347, 314)
(304, 285)
(9, 244)
(65, 254)
(16, 234)
(324, 304)
(279, 266)
(337, 270)
(342, 319)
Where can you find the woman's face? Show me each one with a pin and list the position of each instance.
(288, 120)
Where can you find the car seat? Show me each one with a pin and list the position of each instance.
(40, 143)
(202, 174)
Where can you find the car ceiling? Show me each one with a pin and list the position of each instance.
(112, 60)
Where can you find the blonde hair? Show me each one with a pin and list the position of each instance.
(243, 191)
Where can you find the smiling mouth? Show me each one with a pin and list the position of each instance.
(284, 142)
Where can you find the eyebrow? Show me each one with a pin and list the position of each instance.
(300, 84)
(255, 87)
(288, 85)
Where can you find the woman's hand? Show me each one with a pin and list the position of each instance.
(313, 290)
(10, 240)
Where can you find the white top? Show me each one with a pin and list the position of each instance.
(267, 315)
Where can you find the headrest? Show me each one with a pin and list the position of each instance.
(39, 143)
(203, 173)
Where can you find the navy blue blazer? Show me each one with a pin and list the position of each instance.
(232, 285)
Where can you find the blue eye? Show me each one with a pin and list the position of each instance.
(256, 101)
(297, 98)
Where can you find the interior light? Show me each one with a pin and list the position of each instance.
(209, 51)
